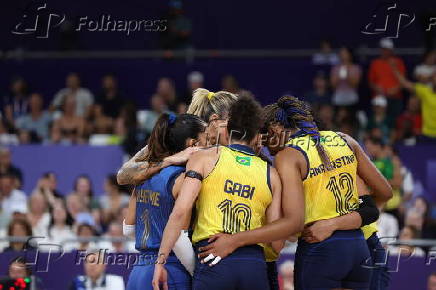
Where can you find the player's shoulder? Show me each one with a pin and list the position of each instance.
(206, 153)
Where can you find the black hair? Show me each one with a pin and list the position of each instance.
(293, 113)
(170, 133)
(84, 176)
(245, 119)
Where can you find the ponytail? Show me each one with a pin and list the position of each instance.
(170, 133)
(157, 148)
(205, 103)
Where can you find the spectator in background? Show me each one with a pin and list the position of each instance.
(380, 119)
(325, 116)
(115, 230)
(166, 90)
(113, 199)
(409, 123)
(388, 227)
(98, 122)
(6, 167)
(320, 94)
(19, 228)
(37, 120)
(344, 79)
(178, 33)
(286, 274)
(126, 128)
(47, 186)
(9, 195)
(86, 231)
(7, 134)
(230, 84)
(75, 206)
(38, 214)
(326, 55)
(110, 99)
(19, 268)
(431, 282)
(95, 277)
(408, 233)
(70, 127)
(427, 95)
(424, 71)
(83, 97)
(382, 79)
(83, 189)
(195, 80)
(149, 118)
(59, 230)
(16, 103)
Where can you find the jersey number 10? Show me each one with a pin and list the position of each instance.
(235, 218)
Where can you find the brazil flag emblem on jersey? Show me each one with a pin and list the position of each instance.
(243, 160)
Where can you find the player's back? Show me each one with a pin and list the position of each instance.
(235, 195)
(154, 203)
(330, 189)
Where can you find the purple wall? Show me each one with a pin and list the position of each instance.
(67, 162)
(406, 273)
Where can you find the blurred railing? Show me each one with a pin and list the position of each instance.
(188, 54)
(41, 241)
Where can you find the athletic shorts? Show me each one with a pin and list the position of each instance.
(341, 261)
(141, 276)
(272, 275)
(380, 273)
(244, 269)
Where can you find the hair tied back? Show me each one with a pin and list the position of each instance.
(210, 95)
(171, 118)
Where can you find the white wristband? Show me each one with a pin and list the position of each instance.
(128, 230)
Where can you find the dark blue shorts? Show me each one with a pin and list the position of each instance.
(244, 269)
(341, 261)
(380, 273)
(273, 276)
(141, 276)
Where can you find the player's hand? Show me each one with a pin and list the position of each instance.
(160, 277)
(319, 231)
(220, 246)
(181, 157)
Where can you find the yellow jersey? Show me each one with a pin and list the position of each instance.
(329, 192)
(369, 230)
(234, 196)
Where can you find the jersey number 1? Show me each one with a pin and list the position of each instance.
(235, 217)
(337, 185)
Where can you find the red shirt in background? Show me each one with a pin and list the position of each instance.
(414, 119)
(381, 74)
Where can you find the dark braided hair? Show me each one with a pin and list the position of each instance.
(292, 113)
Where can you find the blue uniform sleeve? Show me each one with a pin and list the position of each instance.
(172, 179)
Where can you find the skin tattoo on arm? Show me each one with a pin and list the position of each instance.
(136, 169)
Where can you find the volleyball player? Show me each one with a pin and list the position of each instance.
(154, 200)
(233, 191)
(212, 108)
(328, 170)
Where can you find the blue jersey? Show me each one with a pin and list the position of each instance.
(154, 204)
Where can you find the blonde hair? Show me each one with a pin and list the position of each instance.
(205, 103)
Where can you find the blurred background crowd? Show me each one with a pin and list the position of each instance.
(87, 89)
(75, 115)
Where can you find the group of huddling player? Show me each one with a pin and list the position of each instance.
(220, 189)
